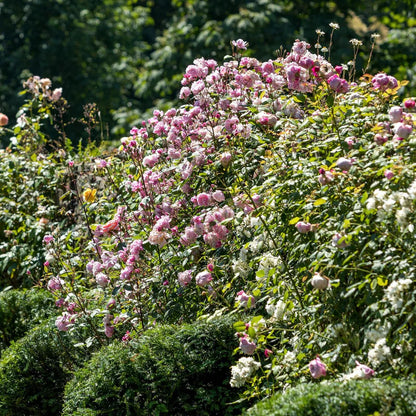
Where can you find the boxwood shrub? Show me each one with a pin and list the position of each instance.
(352, 398)
(21, 310)
(34, 371)
(175, 370)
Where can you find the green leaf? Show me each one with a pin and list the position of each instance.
(239, 326)
(260, 273)
(294, 220)
(319, 201)
(382, 281)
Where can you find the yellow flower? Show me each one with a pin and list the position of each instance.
(89, 195)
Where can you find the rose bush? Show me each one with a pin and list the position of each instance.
(264, 196)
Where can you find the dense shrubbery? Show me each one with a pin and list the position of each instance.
(22, 310)
(281, 187)
(285, 189)
(38, 194)
(169, 370)
(352, 398)
(34, 371)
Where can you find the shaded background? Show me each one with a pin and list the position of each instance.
(128, 56)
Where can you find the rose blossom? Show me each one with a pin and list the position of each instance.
(55, 283)
(102, 279)
(409, 103)
(388, 174)
(48, 238)
(184, 278)
(248, 347)
(63, 322)
(244, 300)
(203, 199)
(320, 282)
(325, 177)
(403, 130)
(203, 278)
(362, 371)
(303, 227)
(317, 368)
(240, 44)
(4, 120)
(218, 196)
(110, 226)
(344, 164)
(395, 114)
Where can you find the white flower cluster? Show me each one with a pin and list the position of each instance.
(267, 262)
(276, 310)
(379, 352)
(394, 292)
(240, 265)
(243, 370)
(400, 202)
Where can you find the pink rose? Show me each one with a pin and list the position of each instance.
(403, 130)
(243, 299)
(48, 238)
(102, 280)
(55, 283)
(184, 278)
(344, 164)
(409, 104)
(317, 368)
(303, 227)
(218, 196)
(388, 174)
(203, 278)
(395, 114)
(240, 44)
(366, 372)
(248, 347)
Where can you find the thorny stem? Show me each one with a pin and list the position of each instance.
(79, 299)
(90, 233)
(281, 255)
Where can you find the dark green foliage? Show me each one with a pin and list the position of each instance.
(172, 370)
(22, 310)
(30, 190)
(34, 371)
(86, 46)
(352, 398)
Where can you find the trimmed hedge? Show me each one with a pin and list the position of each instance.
(22, 310)
(182, 370)
(34, 371)
(352, 398)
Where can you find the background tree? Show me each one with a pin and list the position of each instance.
(128, 56)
